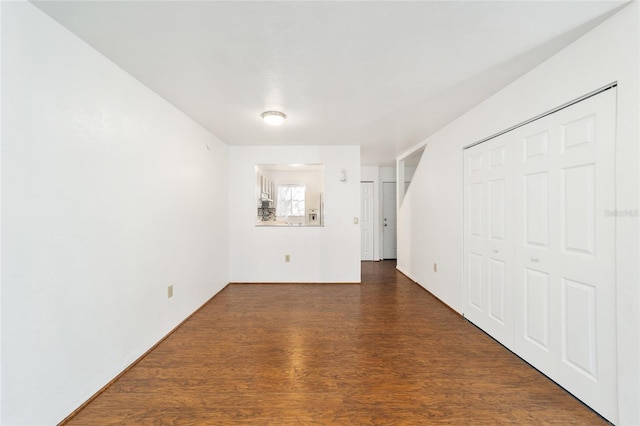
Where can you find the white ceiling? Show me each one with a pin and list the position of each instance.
(383, 75)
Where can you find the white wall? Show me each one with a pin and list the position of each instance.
(318, 254)
(430, 218)
(109, 194)
(387, 174)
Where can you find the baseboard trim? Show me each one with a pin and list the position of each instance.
(408, 275)
(428, 291)
(134, 363)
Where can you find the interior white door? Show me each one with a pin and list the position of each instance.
(539, 250)
(389, 226)
(366, 220)
(488, 238)
(565, 249)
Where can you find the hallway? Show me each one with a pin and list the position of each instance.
(383, 352)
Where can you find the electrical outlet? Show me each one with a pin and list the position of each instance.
(287, 258)
(170, 291)
(435, 267)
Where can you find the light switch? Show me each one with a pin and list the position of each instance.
(355, 220)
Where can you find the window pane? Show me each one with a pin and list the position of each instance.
(297, 208)
(291, 200)
(297, 192)
(283, 204)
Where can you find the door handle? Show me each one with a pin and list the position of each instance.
(535, 259)
(495, 251)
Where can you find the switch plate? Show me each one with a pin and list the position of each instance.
(355, 220)
(170, 291)
(287, 258)
(435, 267)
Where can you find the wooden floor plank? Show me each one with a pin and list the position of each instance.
(383, 352)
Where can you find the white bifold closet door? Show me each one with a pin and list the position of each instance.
(489, 238)
(539, 273)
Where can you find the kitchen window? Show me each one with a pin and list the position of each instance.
(290, 201)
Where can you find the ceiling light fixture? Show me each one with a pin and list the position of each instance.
(274, 118)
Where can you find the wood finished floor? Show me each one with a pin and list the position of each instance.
(383, 352)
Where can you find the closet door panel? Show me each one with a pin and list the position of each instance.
(536, 209)
(536, 309)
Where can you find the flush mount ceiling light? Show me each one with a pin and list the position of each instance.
(274, 118)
